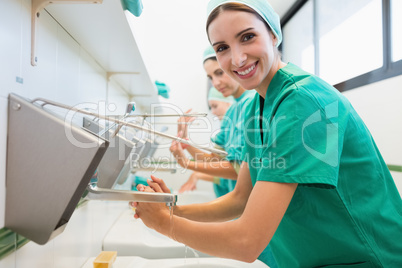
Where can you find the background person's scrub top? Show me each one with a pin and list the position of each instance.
(346, 209)
(230, 137)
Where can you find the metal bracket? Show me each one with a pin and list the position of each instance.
(36, 7)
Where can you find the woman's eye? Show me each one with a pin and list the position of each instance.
(221, 48)
(248, 37)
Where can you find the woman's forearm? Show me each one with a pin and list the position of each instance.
(199, 155)
(216, 239)
(205, 177)
(239, 239)
(222, 169)
(224, 208)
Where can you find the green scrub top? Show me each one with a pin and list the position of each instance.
(221, 187)
(230, 137)
(346, 211)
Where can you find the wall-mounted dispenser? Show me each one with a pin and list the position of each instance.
(112, 165)
(49, 165)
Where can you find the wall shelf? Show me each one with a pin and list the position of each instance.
(36, 7)
(104, 32)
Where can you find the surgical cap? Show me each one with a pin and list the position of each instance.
(208, 53)
(214, 94)
(262, 7)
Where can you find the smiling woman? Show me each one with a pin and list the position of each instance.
(233, 59)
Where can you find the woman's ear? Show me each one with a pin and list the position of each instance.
(274, 39)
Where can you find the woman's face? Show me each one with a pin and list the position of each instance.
(244, 48)
(218, 108)
(220, 80)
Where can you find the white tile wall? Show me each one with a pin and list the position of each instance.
(66, 73)
(3, 144)
(10, 46)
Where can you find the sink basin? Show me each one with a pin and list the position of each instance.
(130, 237)
(138, 262)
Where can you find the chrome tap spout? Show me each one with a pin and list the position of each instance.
(95, 193)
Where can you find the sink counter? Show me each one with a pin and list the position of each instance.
(138, 262)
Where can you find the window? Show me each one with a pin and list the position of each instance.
(298, 39)
(348, 43)
(350, 38)
(396, 28)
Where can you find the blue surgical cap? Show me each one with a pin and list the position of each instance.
(214, 94)
(262, 7)
(208, 53)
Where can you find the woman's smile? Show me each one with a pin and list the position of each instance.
(247, 71)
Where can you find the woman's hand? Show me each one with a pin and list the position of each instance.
(154, 215)
(177, 150)
(182, 124)
(191, 183)
(158, 185)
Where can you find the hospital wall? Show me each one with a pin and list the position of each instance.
(65, 73)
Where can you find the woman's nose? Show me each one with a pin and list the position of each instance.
(216, 82)
(238, 58)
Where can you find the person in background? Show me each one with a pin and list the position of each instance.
(219, 105)
(229, 138)
(313, 184)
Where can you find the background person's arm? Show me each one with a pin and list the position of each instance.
(223, 169)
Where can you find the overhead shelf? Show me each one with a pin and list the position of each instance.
(103, 30)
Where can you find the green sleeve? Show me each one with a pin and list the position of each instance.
(304, 142)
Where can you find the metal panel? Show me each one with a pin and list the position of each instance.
(115, 157)
(49, 165)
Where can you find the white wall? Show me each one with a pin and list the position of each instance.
(65, 73)
(172, 38)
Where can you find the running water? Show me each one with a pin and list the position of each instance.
(196, 256)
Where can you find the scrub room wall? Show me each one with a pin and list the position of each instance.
(65, 73)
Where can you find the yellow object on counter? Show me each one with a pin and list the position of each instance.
(105, 259)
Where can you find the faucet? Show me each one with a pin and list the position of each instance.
(96, 193)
